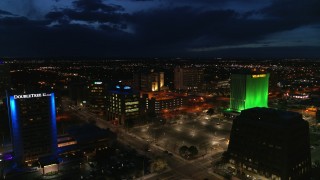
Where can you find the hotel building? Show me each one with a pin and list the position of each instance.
(188, 79)
(149, 81)
(33, 126)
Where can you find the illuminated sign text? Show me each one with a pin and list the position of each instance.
(26, 96)
(258, 75)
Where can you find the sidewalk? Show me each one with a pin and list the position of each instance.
(153, 174)
(210, 171)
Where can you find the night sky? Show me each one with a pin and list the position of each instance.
(160, 28)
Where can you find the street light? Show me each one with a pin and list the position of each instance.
(87, 156)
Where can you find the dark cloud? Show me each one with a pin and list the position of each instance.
(20, 22)
(88, 16)
(190, 27)
(27, 8)
(17, 21)
(107, 30)
(179, 25)
(295, 11)
(56, 15)
(63, 40)
(209, 1)
(5, 12)
(216, 4)
(90, 11)
(95, 5)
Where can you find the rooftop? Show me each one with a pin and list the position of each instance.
(250, 71)
(270, 116)
(120, 89)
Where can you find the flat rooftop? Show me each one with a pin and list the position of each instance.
(270, 116)
(250, 71)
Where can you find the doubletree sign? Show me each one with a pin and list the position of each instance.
(25, 96)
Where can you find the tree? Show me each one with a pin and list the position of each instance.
(183, 151)
(210, 111)
(193, 151)
(158, 165)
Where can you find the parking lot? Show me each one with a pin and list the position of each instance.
(206, 132)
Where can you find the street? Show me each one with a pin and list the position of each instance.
(209, 133)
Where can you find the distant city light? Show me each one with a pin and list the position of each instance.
(127, 87)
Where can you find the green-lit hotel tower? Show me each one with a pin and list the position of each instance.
(249, 89)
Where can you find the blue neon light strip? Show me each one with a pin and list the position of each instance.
(16, 136)
(13, 109)
(53, 124)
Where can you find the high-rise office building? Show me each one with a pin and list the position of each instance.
(97, 97)
(123, 103)
(249, 89)
(33, 126)
(189, 79)
(271, 143)
(149, 81)
(78, 92)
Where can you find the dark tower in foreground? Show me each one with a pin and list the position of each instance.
(33, 126)
(271, 143)
(249, 89)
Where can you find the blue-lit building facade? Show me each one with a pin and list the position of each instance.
(33, 126)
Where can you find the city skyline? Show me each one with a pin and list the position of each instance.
(159, 119)
(154, 28)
